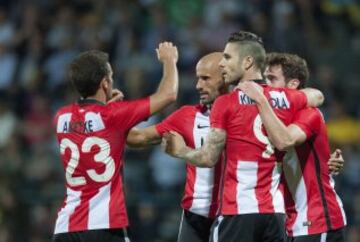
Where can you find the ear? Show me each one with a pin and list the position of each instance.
(248, 62)
(104, 83)
(293, 83)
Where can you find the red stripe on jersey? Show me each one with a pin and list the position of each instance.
(117, 210)
(216, 190)
(202, 184)
(79, 219)
(323, 209)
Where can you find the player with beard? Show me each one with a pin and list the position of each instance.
(200, 200)
(314, 210)
(251, 204)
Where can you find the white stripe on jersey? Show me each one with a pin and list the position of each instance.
(297, 187)
(332, 183)
(204, 180)
(246, 200)
(63, 123)
(72, 201)
(278, 198)
(99, 209)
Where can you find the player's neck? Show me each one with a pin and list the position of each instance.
(252, 76)
(99, 96)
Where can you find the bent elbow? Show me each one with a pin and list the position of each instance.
(284, 145)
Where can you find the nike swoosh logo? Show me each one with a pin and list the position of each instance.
(199, 126)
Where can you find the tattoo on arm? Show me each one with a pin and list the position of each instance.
(209, 153)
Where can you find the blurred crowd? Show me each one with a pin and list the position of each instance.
(38, 38)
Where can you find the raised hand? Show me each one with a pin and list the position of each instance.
(167, 52)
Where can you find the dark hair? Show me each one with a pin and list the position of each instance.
(251, 45)
(293, 66)
(87, 70)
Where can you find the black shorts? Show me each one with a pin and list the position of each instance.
(194, 228)
(249, 228)
(108, 235)
(330, 236)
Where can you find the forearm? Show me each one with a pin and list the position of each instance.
(198, 157)
(139, 138)
(314, 96)
(277, 132)
(168, 88)
(209, 153)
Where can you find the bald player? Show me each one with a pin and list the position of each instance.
(200, 200)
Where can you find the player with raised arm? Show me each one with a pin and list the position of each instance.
(92, 135)
(314, 210)
(252, 206)
(200, 200)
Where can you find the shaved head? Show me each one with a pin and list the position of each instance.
(211, 61)
(210, 83)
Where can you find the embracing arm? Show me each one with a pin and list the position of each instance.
(206, 156)
(281, 136)
(315, 97)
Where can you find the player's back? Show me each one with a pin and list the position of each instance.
(252, 174)
(92, 141)
(312, 204)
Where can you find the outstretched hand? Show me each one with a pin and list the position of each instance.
(167, 51)
(173, 143)
(336, 162)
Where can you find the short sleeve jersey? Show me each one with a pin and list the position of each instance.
(312, 205)
(202, 184)
(252, 173)
(92, 139)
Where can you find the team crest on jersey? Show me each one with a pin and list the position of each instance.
(279, 100)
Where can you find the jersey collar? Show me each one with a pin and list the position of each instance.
(86, 101)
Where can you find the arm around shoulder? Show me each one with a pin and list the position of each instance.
(315, 97)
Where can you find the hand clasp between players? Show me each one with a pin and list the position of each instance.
(173, 143)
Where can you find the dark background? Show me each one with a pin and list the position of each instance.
(38, 39)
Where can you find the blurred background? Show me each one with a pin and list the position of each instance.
(38, 39)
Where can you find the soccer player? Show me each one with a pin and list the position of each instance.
(252, 206)
(92, 135)
(314, 210)
(200, 201)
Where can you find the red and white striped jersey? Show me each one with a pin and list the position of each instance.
(312, 205)
(92, 140)
(252, 173)
(202, 184)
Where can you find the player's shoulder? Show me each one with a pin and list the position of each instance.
(315, 112)
(188, 109)
(64, 109)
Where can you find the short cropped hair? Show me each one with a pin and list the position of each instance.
(251, 45)
(87, 70)
(293, 66)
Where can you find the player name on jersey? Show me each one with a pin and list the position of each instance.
(277, 100)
